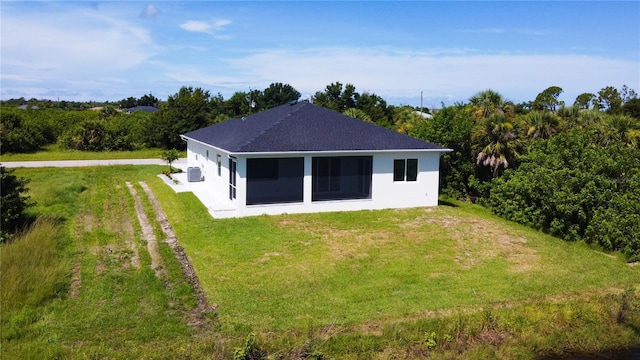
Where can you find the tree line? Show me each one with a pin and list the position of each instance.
(570, 170)
(107, 127)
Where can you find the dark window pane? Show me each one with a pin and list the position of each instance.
(412, 169)
(398, 170)
(334, 177)
(320, 174)
(262, 169)
(274, 180)
(341, 178)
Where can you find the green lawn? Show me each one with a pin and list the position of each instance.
(445, 282)
(282, 272)
(53, 153)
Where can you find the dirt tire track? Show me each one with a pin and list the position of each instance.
(184, 260)
(147, 232)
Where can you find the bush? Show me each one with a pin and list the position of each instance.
(577, 190)
(19, 136)
(13, 205)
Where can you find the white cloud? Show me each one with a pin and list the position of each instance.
(211, 28)
(196, 26)
(457, 75)
(76, 42)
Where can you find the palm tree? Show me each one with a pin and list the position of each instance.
(618, 129)
(590, 117)
(542, 124)
(358, 114)
(487, 102)
(569, 116)
(496, 143)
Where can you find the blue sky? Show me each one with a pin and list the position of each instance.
(447, 50)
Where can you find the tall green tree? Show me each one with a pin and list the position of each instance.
(548, 99)
(632, 108)
(278, 94)
(375, 107)
(237, 105)
(609, 99)
(187, 110)
(496, 143)
(148, 100)
(627, 94)
(336, 97)
(486, 103)
(128, 102)
(452, 127)
(584, 100)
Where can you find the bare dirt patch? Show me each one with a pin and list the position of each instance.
(266, 257)
(197, 315)
(147, 232)
(76, 280)
(479, 240)
(476, 240)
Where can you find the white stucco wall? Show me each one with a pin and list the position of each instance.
(216, 181)
(385, 193)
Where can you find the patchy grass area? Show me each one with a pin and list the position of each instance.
(54, 152)
(283, 272)
(446, 282)
(110, 303)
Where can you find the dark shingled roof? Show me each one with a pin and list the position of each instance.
(303, 127)
(143, 108)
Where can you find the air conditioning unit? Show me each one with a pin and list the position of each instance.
(193, 174)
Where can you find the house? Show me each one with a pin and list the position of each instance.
(148, 109)
(300, 158)
(423, 114)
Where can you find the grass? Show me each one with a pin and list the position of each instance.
(111, 307)
(47, 269)
(446, 282)
(54, 153)
(348, 268)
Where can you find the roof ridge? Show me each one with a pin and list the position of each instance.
(248, 142)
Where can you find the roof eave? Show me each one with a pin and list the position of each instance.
(186, 138)
(330, 152)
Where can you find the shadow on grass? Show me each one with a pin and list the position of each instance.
(448, 202)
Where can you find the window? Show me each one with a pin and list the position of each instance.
(405, 170)
(232, 178)
(412, 169)
(263, 169)
(398, 169)
(341, 178)
(219, 159)
(275, 180)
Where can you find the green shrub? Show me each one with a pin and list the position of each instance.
(14, 203)
(250, 350)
